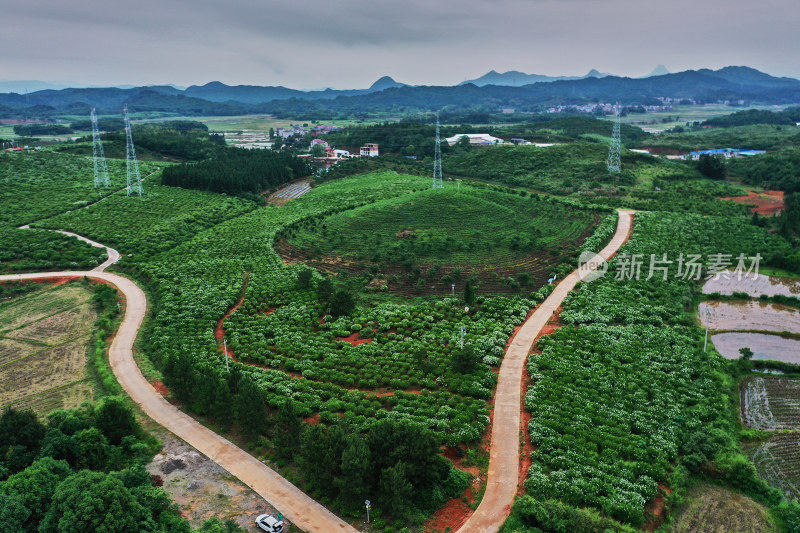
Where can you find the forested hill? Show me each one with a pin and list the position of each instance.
(729, 83)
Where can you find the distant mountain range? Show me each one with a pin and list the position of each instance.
(515, 78)
(487, 93)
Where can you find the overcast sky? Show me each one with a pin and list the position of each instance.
(349, 44)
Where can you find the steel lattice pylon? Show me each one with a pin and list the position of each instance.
(437, 159)
(101, 178)
(132, 165)
(615, 149)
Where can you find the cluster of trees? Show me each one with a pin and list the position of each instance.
(405, 138)
(395, 464)
(31, 130)
(788, 117)
(82, 470)
(778, 170)
(569, 128)
(237, 171)
(713, 166)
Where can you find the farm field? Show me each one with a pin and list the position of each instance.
(608, 371)
(42, 184)
(777, 461)
(255, 123)
(145, 226)
(765, 347)
(44, 339)
(447, 236)
(713, 509)
(749, 316)
(753, 285)
(770, 402)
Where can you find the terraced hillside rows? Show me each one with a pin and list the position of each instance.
(425, 241)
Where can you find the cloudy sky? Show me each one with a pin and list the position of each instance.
(349, 44)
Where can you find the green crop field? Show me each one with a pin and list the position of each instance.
(36, 185)
(480, 232)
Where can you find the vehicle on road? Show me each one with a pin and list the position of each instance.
(269, 523)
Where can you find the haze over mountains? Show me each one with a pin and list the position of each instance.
(524, 92)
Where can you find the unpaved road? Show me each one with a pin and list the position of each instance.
(504, 455)
(298, 508)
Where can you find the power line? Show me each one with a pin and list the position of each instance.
(131, 164)
(437, 159)
(101, 178)
(615, 149)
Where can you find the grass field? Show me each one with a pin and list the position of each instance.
(679, 115)
(713, 509)
(43, 344)
(252, 122)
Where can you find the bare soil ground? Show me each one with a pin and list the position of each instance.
(712, 509)
(766, 203)
(201, 488)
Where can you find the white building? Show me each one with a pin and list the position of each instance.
(369, 150)
(474, 138)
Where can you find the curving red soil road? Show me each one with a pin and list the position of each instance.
(504, 455)
(295, 505)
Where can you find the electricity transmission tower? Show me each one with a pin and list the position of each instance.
(614, 151)
(131, 164)
(437, 159)
(100, 168)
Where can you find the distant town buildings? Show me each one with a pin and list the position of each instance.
(369, 150)
(474, 139)
(726, 152)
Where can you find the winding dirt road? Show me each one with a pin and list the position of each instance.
(295, 505)
(504, 455)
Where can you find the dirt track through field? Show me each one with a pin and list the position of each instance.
(504, 457)
(298, 508)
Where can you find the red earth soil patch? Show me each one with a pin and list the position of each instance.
(354, 340)
(312, 419)
(766, 203)
(160, 388)
(656, 509)
(456, 511)
(452, 515)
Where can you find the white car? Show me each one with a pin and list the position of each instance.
(269, 523)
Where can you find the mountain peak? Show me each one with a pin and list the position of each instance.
(594, 73)
(660, 70)
(385, 82)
